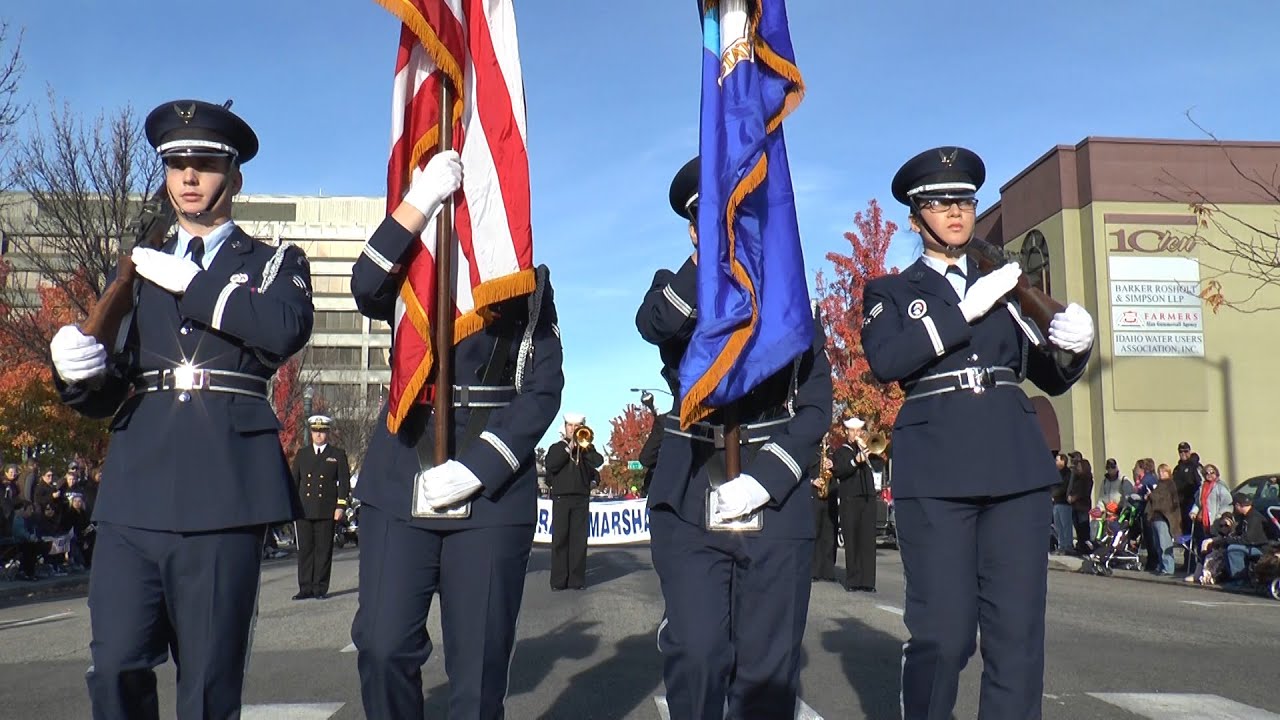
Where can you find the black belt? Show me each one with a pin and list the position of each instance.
(483, 396)
(976, 380)
(184, 379)
(708, 433)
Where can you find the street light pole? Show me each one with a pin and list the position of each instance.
(308, 394)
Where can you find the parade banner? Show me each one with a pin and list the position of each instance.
(612, 522)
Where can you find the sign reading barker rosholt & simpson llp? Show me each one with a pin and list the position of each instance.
(1156, 308)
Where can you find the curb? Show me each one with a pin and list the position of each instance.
(18, 591)
(1071, 564)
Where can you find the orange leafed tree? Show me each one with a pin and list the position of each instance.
(31, 414)
(626, 437)
(856, 391)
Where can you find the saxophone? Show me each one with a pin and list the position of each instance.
(824, 472)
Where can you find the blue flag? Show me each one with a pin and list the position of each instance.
(753, 294)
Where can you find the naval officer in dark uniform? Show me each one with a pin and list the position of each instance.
(572, 465)
(857, 493)
(972, 475)
(194, 473)
(322, 479)
(736, 601)
(507, 385)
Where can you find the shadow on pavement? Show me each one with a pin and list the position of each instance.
(871, 660)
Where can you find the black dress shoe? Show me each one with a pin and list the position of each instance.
(321, 596)
(302, 596)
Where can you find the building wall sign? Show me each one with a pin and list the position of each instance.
(1156, 309)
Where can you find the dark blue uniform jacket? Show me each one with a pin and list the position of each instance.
(501, 454)
(961, 443)
(215, 461)
(800, 393)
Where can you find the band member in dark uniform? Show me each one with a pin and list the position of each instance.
(736, 601)
(508, 382)
(825, 509)
(322, 479)
(572, 464)
(194, 473)
(972, 470)
(857, 508)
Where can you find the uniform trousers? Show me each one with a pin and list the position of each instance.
(152, 593)
(315, 555)
(570, 524)
(973, 563)
(858, 526)
(479, 576)
(736, 606)
(824, 546)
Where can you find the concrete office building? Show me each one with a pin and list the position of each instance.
(1110, 225)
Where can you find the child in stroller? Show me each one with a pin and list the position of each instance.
(1121, 537)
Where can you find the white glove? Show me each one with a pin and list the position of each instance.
(988, 290)
(1072, 329)
(77, 356)
(740, 496)
(171, 273)
(438, 180)
(450, 483)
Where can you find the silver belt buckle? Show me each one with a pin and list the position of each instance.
(976, 380)
(420, 508)
(187, 377)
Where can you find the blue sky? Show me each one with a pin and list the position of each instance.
(612, 95)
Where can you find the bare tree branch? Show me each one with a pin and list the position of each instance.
(78, 190)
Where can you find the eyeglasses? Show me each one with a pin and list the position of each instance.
(939, 205)
(1213, 472)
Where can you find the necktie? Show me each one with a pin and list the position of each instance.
(195, 249)
(958, 280)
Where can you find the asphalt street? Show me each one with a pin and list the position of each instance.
(1117, 648)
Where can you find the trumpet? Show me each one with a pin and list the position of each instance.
(583, 437)
(877, 443)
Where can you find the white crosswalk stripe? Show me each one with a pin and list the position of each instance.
(1190, 706)
(803, 711)
(889, 608)
(290, 711)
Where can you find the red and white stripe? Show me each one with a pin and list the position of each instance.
(492, 234)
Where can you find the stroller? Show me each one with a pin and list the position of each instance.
(1118, 547)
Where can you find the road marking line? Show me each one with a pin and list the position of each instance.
(803, 711)
(290, 711)
(350, 648)
(1188, 706)
(35, 621)
(895, 610)
(1220, 603)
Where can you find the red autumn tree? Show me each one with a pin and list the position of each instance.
(287, 400)
(31, 414)
(856, 391)
(626, 437)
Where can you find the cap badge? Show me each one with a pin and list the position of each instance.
(185, 114)
(948, 159)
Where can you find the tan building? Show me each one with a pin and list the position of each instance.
(346, 360)
(1111, 225)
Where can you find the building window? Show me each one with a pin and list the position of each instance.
(334, 396)
(332, 358)
(375, 394)
(378, 358)
(335, 321)
(331, 284)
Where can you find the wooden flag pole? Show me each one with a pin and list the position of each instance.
(443, 399)
(732, 443)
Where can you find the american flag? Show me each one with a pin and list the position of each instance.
(471, 44)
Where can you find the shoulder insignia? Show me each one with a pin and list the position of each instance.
(917, 309)
(240, 278)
